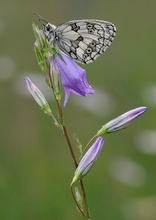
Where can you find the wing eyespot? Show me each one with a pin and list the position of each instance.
(93, 44)
(88, 50)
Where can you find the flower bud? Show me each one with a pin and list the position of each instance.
(88, 159)
(122, 121)
(37, 95)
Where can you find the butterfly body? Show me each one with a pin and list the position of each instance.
(82, 40)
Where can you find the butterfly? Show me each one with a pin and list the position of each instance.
(83, 40)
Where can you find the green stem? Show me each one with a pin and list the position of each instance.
(76, 164)
(85, 199)
(69, 144)
(73, 156)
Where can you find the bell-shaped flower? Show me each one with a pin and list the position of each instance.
(37, 95)
(88, 159)
(122, 121)
(73, 77)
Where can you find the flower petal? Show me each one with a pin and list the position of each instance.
(73, 77)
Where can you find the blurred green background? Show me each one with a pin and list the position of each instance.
(35, 163)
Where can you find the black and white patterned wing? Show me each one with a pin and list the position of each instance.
(84, 40)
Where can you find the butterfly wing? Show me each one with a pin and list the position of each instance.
(85, 40)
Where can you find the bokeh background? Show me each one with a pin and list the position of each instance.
(35, 163)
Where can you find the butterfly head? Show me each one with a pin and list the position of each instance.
(49, 31)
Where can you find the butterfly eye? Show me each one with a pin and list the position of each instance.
(48, 28)
(56, 38)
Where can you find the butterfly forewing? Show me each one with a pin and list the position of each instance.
(84, 40)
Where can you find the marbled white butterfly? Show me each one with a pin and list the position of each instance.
(82, 40)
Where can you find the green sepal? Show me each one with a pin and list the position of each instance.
(47, 110)
(57, 95)
(102, 131)
(40, 58)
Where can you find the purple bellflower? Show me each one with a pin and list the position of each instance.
(122, 121)
(88, 159)
(73, 77)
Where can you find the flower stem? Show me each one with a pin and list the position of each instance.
(69, 144)
(76, 164)
(87, 215)
(85, 199)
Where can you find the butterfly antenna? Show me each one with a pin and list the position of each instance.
(40, 17)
